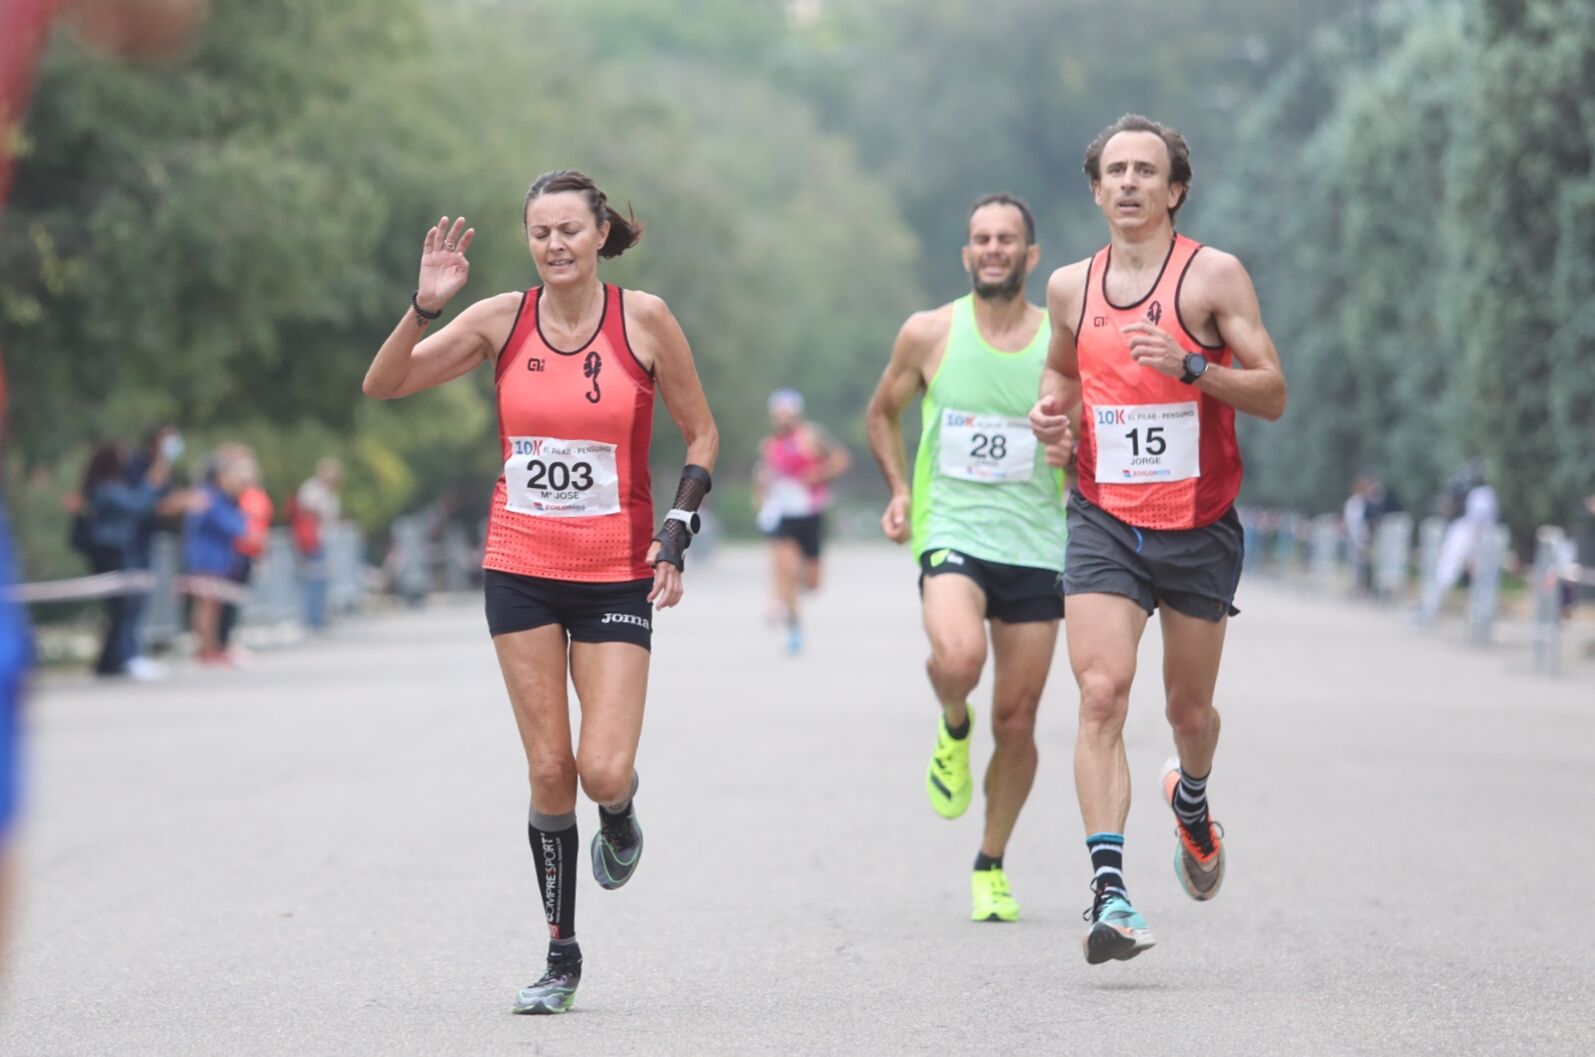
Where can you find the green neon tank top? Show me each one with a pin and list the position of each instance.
(982, 485)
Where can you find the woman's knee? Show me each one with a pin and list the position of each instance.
(606, 780)
(553, 780)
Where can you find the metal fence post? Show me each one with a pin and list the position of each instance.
(1550, 548)
(1489, 548)
(1392, 553)
(163, 613)
(1324, 551)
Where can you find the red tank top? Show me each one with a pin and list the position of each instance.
(1154, 452)
(574, 502)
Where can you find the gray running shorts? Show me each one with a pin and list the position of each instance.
(1192, 571)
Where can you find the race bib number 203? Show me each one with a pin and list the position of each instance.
(553, 477)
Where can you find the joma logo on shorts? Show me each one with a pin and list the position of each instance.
(624, 618)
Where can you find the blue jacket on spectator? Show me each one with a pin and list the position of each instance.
(115, 511)
(209, 535)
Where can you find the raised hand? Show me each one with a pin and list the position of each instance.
(444, 268)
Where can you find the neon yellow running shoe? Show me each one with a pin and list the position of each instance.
(947, 779)
(993, 901)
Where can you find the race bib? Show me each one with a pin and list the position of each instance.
(551, 477)
(1147, 443)
(989, 449)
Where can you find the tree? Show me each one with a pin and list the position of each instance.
(1524, 199)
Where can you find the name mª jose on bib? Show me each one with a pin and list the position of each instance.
(554, 477)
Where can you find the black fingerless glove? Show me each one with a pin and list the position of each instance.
(682, 523)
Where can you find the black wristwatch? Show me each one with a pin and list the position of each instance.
(1195, 367)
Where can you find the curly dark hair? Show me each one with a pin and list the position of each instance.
(1179, 152)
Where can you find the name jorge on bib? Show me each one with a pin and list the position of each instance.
(1147, 443)
(554, 477)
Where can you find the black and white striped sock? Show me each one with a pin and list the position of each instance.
(1107, 863)
(1190, 802)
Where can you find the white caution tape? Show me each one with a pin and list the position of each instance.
(126, 582)
(102, 585)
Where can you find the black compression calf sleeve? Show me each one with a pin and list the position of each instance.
(554, 846)
(681, 524)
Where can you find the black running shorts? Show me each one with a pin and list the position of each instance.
(1015, 594)
(612, 612)
(1192, 571)
(807, 532)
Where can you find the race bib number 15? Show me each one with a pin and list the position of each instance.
(552, 477)
(1147, 443)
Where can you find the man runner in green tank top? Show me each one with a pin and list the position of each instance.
(986, 518)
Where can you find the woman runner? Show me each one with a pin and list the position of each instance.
(797, 463)
(573, 566)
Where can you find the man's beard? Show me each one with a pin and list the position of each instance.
(1006, 290)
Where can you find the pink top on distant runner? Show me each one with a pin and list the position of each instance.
(791, 459)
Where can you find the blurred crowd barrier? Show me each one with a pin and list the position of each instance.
(1421, 567)
(420, 561)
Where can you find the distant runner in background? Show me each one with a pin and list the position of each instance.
(797, 463)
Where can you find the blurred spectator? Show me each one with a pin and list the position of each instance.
(1359, 533)
(163, 442)
(249, 548)
(1582, 532)
(210, 536)
(1378, 503)
(313, 509)
(106, 530)
(1477, 512)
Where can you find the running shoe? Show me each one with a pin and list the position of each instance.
(1118, 932)
(1198, 857)
(554, 991)
(617, 848)
(947, 779)
(993, 901)
(794, 640)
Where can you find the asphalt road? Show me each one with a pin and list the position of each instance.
(326, 854)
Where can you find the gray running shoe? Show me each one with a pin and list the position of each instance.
(554, 991)
(1198, 857)
(617, 848)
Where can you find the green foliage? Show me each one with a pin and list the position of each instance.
(224, 241)
(1525, 192)
(1422, 245)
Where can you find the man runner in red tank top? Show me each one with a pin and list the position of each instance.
(573, 568)
(1164, 341)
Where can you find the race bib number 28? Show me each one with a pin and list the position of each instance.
(990, 449)
(552, 477)
(1147, 443)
